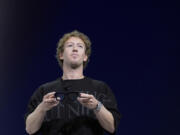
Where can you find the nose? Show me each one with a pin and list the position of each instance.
(75, 48)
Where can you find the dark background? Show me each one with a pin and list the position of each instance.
(135, 51)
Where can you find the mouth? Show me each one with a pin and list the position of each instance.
(74, 55)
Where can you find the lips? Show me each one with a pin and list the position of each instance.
(74, 55)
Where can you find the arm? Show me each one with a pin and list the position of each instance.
(104, 116)
(35, 119)
(106, 119)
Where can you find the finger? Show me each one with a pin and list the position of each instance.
(58, 98)
(49, 94)
(83, 98)
(50, 100)
(88, 105)
(80, 100)
(83, 95)
(55, 104)
(91, 100)
(84, 101)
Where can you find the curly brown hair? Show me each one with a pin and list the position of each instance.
(61, 42)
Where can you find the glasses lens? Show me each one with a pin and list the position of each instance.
(73, 95)
(60, 95)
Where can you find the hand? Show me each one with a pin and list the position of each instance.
(88, 100)
(49, 101)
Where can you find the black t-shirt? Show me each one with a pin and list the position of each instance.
(69, 117)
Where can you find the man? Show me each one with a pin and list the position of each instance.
(73, 104)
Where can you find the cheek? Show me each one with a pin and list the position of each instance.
(67, 52)
(82, 52)
(83, 55)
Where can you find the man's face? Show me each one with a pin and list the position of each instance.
(74, 52)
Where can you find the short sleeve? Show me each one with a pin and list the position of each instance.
(34, 101)
(111, 104)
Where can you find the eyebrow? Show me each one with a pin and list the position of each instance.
(77, 43)
(80, 43)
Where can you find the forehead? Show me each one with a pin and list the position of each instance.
(75, 40)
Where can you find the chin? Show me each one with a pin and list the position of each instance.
(75, 65)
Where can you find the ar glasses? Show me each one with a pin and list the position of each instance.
(72, 96)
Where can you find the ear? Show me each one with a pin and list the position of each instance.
(61, 56)
(85, 58)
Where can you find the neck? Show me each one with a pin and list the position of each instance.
(70, 73)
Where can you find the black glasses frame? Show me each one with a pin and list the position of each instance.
(71, 95)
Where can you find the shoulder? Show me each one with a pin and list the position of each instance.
(98, 83)
(48, 86)
(51, 84)
(104, 89)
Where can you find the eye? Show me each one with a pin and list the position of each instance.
(69, 45)
(80, 46)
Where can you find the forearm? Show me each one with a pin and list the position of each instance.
(34, 120)
(105, 119)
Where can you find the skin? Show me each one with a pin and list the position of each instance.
(73, 58)
(74, 54)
